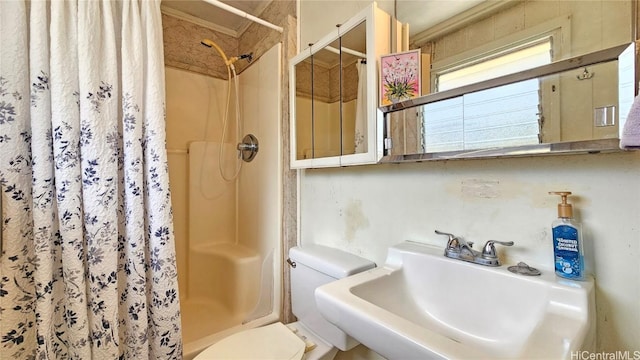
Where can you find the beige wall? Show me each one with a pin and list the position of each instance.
(316, 21)
(367, 209)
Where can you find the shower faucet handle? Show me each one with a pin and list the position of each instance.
(248, 148)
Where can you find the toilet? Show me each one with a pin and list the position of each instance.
(311, 337)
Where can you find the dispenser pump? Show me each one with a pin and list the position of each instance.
(565, 210)
(568, 251)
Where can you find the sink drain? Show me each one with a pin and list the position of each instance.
(524, 269)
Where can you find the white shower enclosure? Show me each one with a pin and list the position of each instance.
(228, 234)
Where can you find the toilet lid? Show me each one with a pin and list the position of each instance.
(273, 341)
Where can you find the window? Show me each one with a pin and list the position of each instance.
(508, 115)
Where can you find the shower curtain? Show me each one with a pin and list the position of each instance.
(88, 269)
(361, 109)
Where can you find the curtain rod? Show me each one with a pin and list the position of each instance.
(347, 50)
(243, 14)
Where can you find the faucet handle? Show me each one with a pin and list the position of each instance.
(489, 250)
(451, 236)
(454, 241)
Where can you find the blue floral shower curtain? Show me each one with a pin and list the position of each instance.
(88, 269)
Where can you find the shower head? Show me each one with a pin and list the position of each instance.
(206, 42)
(210, 44)
(228, 61)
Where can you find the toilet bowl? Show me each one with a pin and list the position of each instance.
(311, 337)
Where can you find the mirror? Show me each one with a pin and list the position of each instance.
(317, 105)
(578, 104)
(330, 98)
(334, 97)
(304, 109)
(521, 114)
(354, 90)
(326, 116)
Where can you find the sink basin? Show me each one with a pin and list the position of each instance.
(423, 305)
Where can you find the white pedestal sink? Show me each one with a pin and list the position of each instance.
(423, 305)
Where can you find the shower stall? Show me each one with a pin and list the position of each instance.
(228, 229)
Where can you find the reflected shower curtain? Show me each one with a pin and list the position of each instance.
(88, 269)
(361, 109)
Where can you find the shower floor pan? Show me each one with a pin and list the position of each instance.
(202, 317)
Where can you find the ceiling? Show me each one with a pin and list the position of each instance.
(420, 14)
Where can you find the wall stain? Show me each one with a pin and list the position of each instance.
(354, 219)
(480, 188)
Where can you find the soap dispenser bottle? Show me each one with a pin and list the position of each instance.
(567, 241)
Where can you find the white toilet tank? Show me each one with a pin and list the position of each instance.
(317, 265)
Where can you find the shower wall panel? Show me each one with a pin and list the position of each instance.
(212, 199)
(195, 109)
(260, 184)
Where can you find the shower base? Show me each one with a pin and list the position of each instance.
(205, 322)
(202, 317)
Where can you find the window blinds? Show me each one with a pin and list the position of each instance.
(507, 115)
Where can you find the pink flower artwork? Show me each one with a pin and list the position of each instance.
(399, 77)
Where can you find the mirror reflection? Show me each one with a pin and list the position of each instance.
(522, 113)
(575, 105)
(304, 109)
(559, 105)
(354, 90)
(330, 98)
(326, 103)
(493, 29)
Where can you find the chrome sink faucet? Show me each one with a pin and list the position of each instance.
(458, 248)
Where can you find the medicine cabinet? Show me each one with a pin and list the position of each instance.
(582, 121)
(334, 97)
(575, 101)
